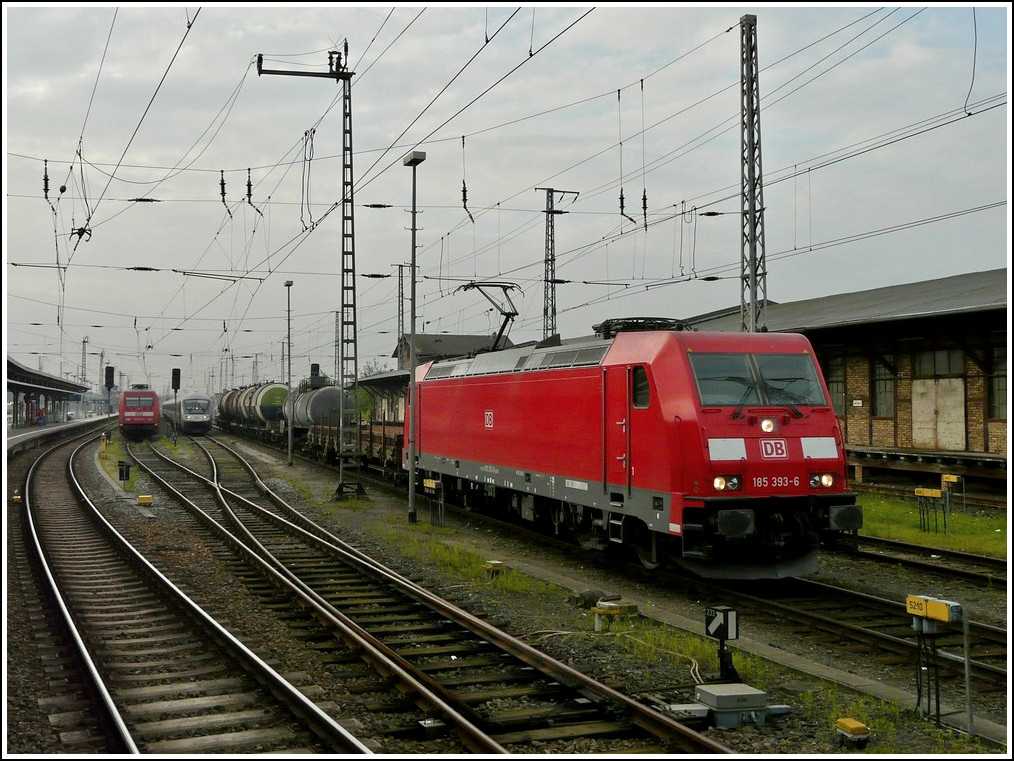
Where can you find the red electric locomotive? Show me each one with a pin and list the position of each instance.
(718, 452)
(140, 414)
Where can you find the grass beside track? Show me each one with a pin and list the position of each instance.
(980, 532)
(655, 644)
(977, 531)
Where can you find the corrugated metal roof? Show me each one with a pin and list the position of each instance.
(972, 292)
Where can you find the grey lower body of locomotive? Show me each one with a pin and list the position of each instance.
(727, 538)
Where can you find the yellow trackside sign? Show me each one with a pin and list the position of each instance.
(931, 607)
(935, 493)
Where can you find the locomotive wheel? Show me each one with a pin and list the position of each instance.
(647, 550)
(644, 556)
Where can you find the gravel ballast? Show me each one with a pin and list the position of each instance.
(814, 688)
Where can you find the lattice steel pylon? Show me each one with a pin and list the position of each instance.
(752, 270)
(346, 352)
(349, 362)
(84, 360)
(549, 301)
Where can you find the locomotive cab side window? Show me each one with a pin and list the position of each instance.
(640, 390)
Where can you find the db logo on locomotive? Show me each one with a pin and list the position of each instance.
(774, 449)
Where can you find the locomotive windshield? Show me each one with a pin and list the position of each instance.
(765, 379)
(194, 406)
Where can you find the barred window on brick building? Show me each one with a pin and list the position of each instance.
(883, 387)
(941, 363)
(998, 384)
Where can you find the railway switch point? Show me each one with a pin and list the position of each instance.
(606, 610)
(732, 705)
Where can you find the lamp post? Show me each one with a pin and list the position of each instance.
(412, 159)
(288, 331)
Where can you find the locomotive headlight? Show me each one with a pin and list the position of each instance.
(821, 480)
(768, 425)
(727, 483)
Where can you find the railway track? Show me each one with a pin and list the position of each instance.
(160, 675)
(834, 619)
(883, 628)
(993, 498)
(451, 673)
(827, 635)
(858, 620)
(981, 569)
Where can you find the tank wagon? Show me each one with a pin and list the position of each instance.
(315, 414)
(139, 412)
(191, 414)
(254, 410)
(717, 452)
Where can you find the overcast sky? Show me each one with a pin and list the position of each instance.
(884, 141)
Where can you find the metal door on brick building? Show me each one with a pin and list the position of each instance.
(938, 413)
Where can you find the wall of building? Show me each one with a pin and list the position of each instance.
(862, 348)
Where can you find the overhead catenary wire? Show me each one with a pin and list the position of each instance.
(224, 203)
(249, 193)
(464, 187)
(619, 129)
(499, 209)
(644, 182)
(304, 199)
(975, 51)
(92, 210)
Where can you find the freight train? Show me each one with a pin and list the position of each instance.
(140, 413)
(191, 414)
(716, 452)
(254, 411)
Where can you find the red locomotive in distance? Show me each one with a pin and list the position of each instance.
(140, 413)
(717, 452)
